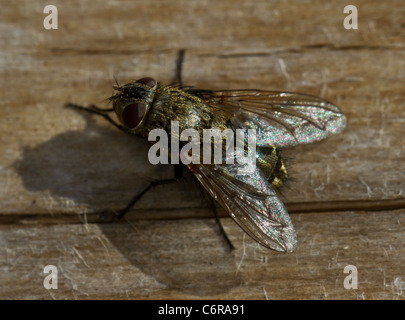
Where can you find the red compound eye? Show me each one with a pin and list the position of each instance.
(150, 82)
(133, 114)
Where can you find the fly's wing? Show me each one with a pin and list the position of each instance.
(280, 118)
(250, 201)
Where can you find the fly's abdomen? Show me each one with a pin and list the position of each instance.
(270, 163)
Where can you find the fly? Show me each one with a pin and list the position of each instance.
(280, 119)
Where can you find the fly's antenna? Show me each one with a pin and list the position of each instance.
(117, 85)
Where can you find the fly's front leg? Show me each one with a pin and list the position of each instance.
(99, 111)
(178, 174)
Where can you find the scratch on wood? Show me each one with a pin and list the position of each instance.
(327, 174)
(336, 256)
(313, 244)
(386, 252)
(74, 285)
(384, 279)
(83, 218)
(243, 253)
(323, 290)
(369, 191)
(103, 244)
(365, 239)
(265, 294)
(397, 286)
(51, 294)
(361, 296)
(283, 69)
(80, 257)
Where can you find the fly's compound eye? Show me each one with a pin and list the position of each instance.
(149, 82)
(133, 114)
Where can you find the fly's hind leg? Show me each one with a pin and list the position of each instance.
(178, 174)
(221, 228)
(205, 194)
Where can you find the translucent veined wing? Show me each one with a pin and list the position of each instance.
(280, 118)
(250, 201)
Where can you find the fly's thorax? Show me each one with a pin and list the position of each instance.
(189, 111)
(145, 104)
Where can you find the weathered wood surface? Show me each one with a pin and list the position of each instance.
(59, 167)
(188, 258)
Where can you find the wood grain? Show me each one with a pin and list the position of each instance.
(60, 168)
(187, 258)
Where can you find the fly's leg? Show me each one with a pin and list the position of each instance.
(179, 67)
(99, 111)
(221, 228)
(178, 174)
(214, 210)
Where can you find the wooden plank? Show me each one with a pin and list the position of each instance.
(209, 26)
(59, 167)
(188, 258)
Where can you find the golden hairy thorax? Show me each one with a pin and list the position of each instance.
(173, 104)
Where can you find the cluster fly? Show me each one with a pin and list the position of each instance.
(280, 120)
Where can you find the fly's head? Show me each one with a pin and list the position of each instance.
(132, 102)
